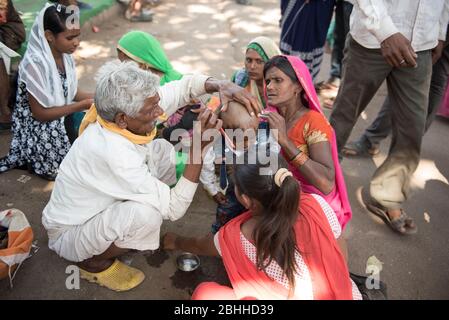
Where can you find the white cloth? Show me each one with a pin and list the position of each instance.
(104, 168)
(7, 54)
(423, 22)
(39, 72)
(207, 176)
(176, 94)
(127, 224)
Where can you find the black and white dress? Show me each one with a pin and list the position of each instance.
(40, 146)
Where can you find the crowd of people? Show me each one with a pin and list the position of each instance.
(123, 169)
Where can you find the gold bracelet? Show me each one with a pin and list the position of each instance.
(299, 160)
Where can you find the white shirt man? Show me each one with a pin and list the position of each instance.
(422, 22)
(104, 173)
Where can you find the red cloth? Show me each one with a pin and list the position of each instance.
(317, 245)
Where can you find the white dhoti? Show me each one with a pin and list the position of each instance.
(127, 224)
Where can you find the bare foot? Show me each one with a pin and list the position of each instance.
(95, 266)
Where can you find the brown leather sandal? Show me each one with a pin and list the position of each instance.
(403, 225)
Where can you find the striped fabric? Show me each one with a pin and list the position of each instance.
(304, 28)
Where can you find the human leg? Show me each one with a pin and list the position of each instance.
(96, 244)
(438, 83)
(368, 143)
(364, 70)
(408, 89)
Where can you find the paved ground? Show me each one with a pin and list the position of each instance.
(208, 36)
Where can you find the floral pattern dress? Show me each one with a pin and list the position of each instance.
(40, 146)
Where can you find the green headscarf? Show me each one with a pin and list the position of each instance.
(144, 48)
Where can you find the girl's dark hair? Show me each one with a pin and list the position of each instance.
(274, 233)
(55, 18)
(284, 65)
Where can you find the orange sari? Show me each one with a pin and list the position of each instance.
(315, 241)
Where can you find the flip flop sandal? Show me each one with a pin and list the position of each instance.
(403, 225)
(118, 277)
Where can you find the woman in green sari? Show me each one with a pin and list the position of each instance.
(144, 49)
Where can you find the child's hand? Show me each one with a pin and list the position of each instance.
(220, 198)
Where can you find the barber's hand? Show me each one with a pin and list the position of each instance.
(230, 91)
(437, 51)
(208, 121)
(398, 52)
(277, 122)
(3, 16)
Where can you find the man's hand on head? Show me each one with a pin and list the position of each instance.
(231, 92)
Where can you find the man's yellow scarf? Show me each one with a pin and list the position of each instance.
(92, 116)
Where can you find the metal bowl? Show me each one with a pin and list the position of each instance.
(187, 262)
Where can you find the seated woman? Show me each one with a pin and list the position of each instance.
(304, 134)
(47, 93)
(146, 50)
(285, 246)
(258, 51)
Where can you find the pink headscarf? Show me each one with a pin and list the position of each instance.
(305, 80)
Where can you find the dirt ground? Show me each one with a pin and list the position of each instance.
(208, 36)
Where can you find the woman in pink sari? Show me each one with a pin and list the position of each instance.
(303, 132)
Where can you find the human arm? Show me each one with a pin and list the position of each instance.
(319, 168)
(230, 91)
(202, 246)
(395, 47)
(179, 201)
(82, 95)
(208, 120)
(43, 114)
(177, 94)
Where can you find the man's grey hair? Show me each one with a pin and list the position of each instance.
(123, 87)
